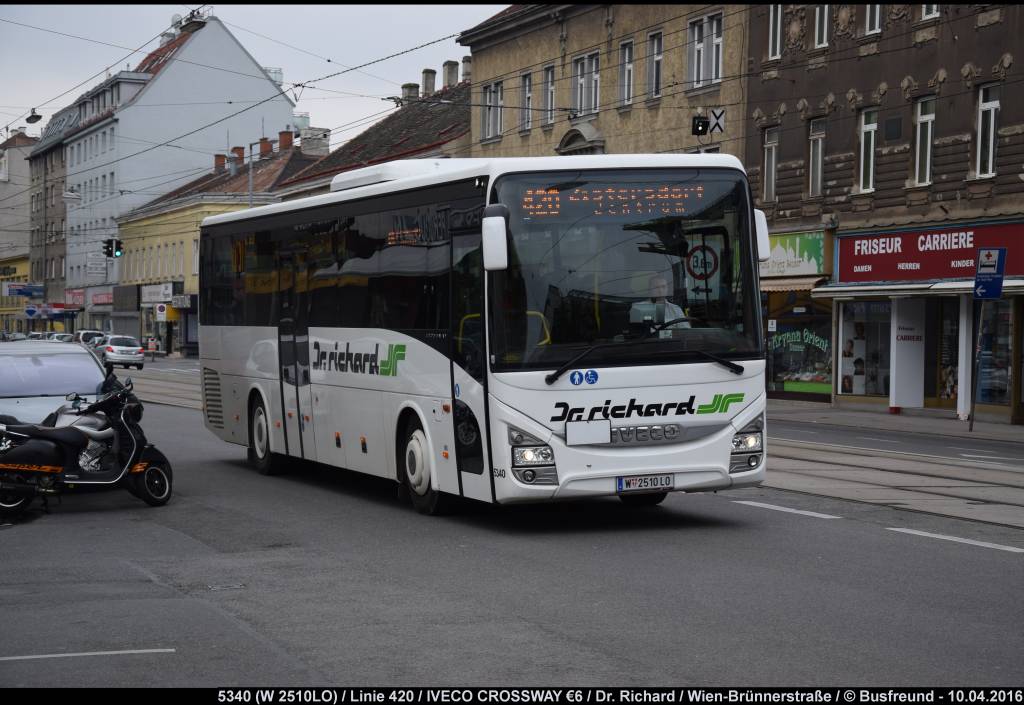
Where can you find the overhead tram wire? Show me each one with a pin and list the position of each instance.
(243, 110)
(100, 72)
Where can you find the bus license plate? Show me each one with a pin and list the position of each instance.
(645, 483)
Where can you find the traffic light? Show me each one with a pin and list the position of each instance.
(118, 249)
(108, 248)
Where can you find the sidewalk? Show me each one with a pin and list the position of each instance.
(812, 412)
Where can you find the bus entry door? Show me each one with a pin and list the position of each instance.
(293, 347)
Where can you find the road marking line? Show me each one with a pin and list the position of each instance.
(974, 450)
(986, 457)
(88, 653)
(894, 452)
(800, 430)
(787, 509)
(876, 440)
(997, 546)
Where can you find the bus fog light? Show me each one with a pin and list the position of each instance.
(754, 460)
(532, 455)
(746, 443)
(529, 475)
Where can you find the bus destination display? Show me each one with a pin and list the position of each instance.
(610, 201)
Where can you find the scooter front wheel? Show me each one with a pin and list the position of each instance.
(153, 485)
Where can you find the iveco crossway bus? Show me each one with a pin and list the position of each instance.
(506, 330)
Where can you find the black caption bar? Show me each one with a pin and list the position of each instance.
(615, 696)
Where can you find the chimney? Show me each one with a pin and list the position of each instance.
(428, 81)
(315, 141)
(410, 91)
(239, 153)
(284, 140)
(266, 147)
(218, 163)
(467, 66)
(451, 73)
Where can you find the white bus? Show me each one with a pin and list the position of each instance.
(505, 330)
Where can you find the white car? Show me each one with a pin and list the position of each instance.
(36, 376)
(121, 350)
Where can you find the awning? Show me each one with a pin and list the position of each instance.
(805, 283)
(945, 288)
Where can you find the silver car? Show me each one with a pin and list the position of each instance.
(121, 350)
(36, 376)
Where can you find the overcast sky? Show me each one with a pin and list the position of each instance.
(38, 66)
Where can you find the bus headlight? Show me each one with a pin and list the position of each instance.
(747, 446)
(746, 443)
(530, 456)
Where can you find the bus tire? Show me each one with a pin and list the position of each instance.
(259, 455)
(414, 464)
(643, 500)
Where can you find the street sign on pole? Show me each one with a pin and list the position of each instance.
(988, 284)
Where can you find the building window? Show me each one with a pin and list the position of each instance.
(771, 147)
(549, 94)
(494, 100)
(868, 127)
(654, 47)
(626, 73)
(526, 118)
(195, 250)
(988, 110)
(929, 12)
(705, 52)
(873, 19)
(816, 157)
(774, 31)
(820, 26)
(925, 134)
(586, 73)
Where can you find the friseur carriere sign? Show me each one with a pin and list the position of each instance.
(940, 253)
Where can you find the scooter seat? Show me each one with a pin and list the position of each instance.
(66, 435)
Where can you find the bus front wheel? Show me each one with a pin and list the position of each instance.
(260, 457)
(415, 465)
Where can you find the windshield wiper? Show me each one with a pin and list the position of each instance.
(550, 379)
(733, 367)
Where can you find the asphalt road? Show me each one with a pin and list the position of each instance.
(956, 448)
(323, 577)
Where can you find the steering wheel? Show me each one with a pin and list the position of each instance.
(666, 324)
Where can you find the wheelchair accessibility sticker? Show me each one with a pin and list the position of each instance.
(591, 376)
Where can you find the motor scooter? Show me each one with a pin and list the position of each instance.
(98, 445)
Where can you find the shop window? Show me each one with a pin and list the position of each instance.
(995, 363)
(800, 347)
(864, 333)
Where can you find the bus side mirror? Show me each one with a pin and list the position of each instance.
(764, 245)
(495, 238)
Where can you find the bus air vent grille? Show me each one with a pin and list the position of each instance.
(213, 404)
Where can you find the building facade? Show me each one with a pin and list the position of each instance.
(116, 156)
(15, 224)
(48, 237)
(897, 130)
(594, 79)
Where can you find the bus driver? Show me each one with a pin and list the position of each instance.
(659, 309)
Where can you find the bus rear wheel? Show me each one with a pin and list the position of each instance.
(415, 465)
(643, 500)
(259, 455)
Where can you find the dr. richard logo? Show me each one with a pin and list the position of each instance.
(368, 363)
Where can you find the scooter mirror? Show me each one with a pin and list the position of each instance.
(128, 383)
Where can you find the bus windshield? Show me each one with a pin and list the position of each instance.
(652, 266)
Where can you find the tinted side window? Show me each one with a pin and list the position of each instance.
(218, 274)
(362, 240)
(260, 280)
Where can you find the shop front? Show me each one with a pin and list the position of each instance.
(159, 319)
(798, 327)
(99, 306)
(126, 310)
(906, 321)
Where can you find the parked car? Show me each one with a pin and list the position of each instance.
(37, 336)
(122, 350)
(96, 344)
(11, 337)
(61, 337)
(84, 336)
(36, 376)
